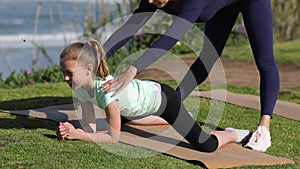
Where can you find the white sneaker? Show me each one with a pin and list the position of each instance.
(260, 139)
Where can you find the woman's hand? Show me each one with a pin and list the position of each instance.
(120, 82)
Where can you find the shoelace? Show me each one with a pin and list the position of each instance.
(257, 136)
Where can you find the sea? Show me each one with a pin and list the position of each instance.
(60, 22)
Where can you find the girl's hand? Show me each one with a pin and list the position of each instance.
(60, 131)
(67, 131)
(120, 82)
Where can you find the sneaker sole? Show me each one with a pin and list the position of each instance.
(262, 150)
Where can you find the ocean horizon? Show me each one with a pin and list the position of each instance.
(55, 29)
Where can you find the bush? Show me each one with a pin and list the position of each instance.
(26, 77)
(286, 15)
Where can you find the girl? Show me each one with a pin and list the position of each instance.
(219, 16)
(85, 70)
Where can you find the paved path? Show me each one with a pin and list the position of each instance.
(282, 108)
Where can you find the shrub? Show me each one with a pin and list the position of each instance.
(51, 74)
(286, 19)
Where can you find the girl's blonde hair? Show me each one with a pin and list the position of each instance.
(90, 52)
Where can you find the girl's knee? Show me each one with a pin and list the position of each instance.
(209, 145)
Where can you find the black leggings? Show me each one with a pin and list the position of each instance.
(174, 112)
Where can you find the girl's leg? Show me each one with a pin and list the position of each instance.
(176, 115)
(257, 16)
(225, 137)
(217, 31)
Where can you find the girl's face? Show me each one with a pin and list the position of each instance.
(158, 3)
(75, 75)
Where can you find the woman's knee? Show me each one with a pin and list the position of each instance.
(266, 67)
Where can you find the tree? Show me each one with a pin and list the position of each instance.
(286, 15)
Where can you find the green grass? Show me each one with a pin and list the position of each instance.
(27, 142)
(285, 94)
(35, 96)
(287, 52)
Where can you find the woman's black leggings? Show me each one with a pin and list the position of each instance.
(174, 112)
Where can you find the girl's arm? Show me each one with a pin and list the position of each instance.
(112, 111)
(88, 122)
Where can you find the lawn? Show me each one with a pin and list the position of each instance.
(27, 142)
(287, 52)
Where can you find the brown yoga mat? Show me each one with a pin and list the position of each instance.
(282, 108)
(165, 140)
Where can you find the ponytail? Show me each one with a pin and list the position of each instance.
(90, 52)
(102, 67)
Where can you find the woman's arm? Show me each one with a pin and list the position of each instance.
(68, 131)
(123, 34)
(190, 11)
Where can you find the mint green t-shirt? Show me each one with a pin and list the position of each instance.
(139, 98)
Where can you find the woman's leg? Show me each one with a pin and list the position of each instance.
(217, 31)
(257, 16)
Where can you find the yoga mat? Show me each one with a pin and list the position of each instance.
(165, 140)
(282, 108)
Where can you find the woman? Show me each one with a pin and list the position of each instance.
(220, 16)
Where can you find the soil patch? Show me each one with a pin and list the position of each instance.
(238, 73)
